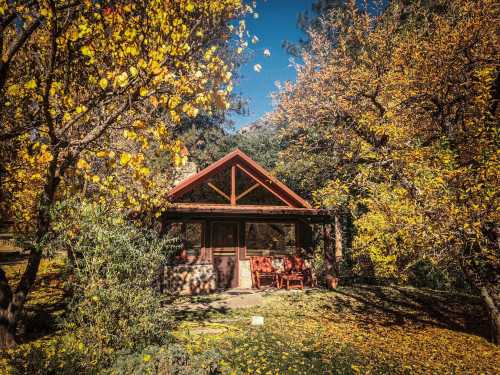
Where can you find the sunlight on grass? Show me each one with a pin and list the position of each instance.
(354, 330)
(321, 332)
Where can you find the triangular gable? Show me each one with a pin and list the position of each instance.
(239, 161)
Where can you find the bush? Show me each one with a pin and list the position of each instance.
(166, 360)
(113, 277)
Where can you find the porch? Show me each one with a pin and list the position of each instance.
(230, 213)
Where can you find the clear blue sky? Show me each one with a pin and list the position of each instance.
(277, 22)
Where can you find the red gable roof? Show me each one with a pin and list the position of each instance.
(239, 159)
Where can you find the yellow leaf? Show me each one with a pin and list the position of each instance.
(86, 51)
(133, 71)
(138, 124)
(82, 164)
(96, 179)
(80, 109)
(13, 90)
(30, 84)
(103, 82)
(122, 79)
(125, 158)
(143, 91)
(73, 35)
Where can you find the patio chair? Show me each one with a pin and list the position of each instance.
(293, 275)
(261, 268)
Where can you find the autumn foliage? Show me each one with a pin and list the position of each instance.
(393, 120)
(89, 95)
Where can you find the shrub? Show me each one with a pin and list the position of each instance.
(114, 303)
(165, 360)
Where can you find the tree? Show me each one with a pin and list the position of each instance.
(401, 110)
(90, 86)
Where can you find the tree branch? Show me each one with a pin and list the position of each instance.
(14, 48)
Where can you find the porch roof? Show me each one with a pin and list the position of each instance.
(249, 211)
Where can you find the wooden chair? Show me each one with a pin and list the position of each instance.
(262, 268)
(293, 275)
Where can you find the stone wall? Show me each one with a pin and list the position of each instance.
(190, 279)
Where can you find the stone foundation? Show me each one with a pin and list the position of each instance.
(190, 279)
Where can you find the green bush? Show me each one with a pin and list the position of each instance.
(113, 278)
(165, 360)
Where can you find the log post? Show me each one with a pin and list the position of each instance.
(329, 252)
(338, 243)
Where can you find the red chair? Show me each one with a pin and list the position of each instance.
(262, 268)
(293, 273)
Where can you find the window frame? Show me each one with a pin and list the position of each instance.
(183, 256)
(294, 223)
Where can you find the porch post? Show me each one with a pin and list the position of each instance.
(233, 185)
(338, 242)
(329, 252)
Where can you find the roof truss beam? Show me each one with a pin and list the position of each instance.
(219, 191)
(263, 184)
(247, 191)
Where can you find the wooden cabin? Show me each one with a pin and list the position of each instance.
(228, 212)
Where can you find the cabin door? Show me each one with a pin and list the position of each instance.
(225, 253)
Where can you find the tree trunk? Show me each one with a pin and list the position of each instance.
(7, 324)
(491, 302)
(11, 304)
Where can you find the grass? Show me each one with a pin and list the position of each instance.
(353, 330)
(45, 302)
(362, 329)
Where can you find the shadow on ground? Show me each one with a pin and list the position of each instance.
(402, 306)
(45, 302)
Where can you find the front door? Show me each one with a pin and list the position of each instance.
(225, 253)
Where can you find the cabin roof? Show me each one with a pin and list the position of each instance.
(238, 159)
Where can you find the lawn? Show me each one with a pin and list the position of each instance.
(353, 330)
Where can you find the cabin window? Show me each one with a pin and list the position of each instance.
(191, 235)
(272, 239)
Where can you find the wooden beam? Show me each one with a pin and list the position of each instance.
(233, 186)
(263, 183)
(217, 190)
(247, 191)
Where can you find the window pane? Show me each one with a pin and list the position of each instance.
(270, 238)
(175, 230)
(193, 238)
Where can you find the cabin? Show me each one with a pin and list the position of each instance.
(226, 214)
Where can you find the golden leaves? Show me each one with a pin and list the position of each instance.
(87, 51)
(122, 79)
(82, 164)
(119, 51)
(125, 158)
(31, 84)
(103, 82)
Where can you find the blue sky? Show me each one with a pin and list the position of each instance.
(277, 22)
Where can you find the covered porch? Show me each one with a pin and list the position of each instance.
(261, 219)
